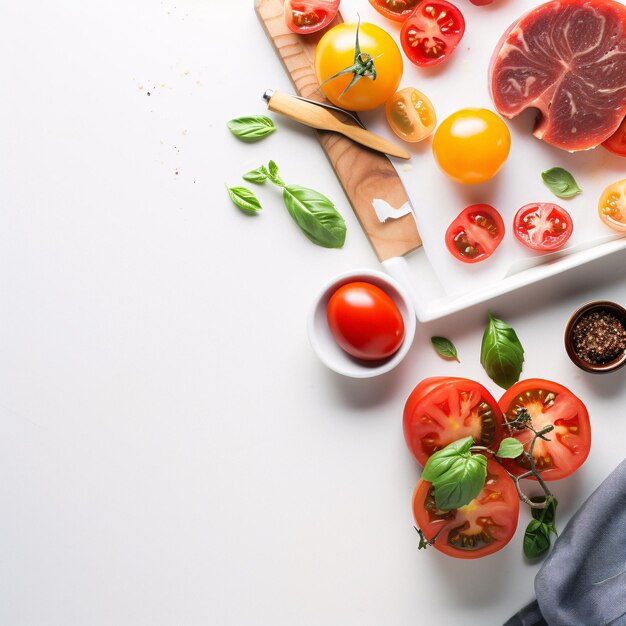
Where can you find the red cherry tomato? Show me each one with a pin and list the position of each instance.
(309, 16)
(365, 321)
(441, 410)
(481, 3)
(616, 143)
(431, 33)
(543, 226)
(397, 10)
(475, 233)
(549, 403)
(479, 528)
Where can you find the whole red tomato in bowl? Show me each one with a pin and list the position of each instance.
(352, 335)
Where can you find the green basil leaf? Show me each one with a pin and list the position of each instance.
(257, 176)
(442, 460)
(251, 128)
(546, 515)
(244, 199)
(510, 448)
(272, 174)
(536, 539)
(316, 215)
(445, 348)
(461, 483)
(501, 353)
(560, 182)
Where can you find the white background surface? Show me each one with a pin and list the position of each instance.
(171, 451)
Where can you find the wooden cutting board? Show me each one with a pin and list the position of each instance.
(363, 174)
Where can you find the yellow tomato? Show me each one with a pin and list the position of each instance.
(472, 145)
(411, 115)
(379, 58)
(612, 205)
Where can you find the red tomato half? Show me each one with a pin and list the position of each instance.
(365, 321)
(479, 528)
(309, 16)
(616, 143)
(543, 226)
(475, 233)
(432, 32)
(549, 403)
(441, 410)
(397, 10)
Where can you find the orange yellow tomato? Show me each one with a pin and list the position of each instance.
(411, 115)
(472, 145)
(612, 205)
(336, 51)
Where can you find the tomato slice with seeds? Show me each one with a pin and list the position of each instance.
(479, 528)
(397, 10)
(309, 16)
(543, 226)
(475, 234)
(432, 32)
(547, 402)
(616, 143)
(443, 409)
(612, 205)
(411, 115)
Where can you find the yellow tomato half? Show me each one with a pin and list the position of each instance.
(411, 115)
(472, 145)
(336, 51)
(612, 205)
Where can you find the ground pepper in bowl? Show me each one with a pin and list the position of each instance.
(595, 337)
(599, 337)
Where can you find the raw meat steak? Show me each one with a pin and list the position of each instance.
(567, 59)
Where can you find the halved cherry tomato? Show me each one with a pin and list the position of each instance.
(432, 32)
(309, 16)
(411, 115)
(475, 233)
(543, 226)
(336, 51)
(549, 403)
(397, 10)
(441, 410)
(612, 205)
(365, 321)
(479, 528)
(472, 145)
(616, 143)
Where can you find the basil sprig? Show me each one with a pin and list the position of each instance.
(560, 182)
(457, 475)
(312, 211)
(501, 353)
(244, 199)
(445, 348)
(251, 128)
(538, 531)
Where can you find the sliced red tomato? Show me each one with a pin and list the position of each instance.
(475, 233)
(441, 410)
(543, 226)
(432, 32)
(397, 10)
(479, 528)
(309, 16)
(616, 143)
(549, 403)
(481, 3)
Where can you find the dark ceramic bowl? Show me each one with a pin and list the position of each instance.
(597, 305)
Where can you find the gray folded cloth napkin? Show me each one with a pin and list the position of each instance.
(583, 580)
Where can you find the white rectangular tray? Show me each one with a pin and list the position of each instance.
(440, 284)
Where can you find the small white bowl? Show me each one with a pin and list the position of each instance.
(323, 342)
